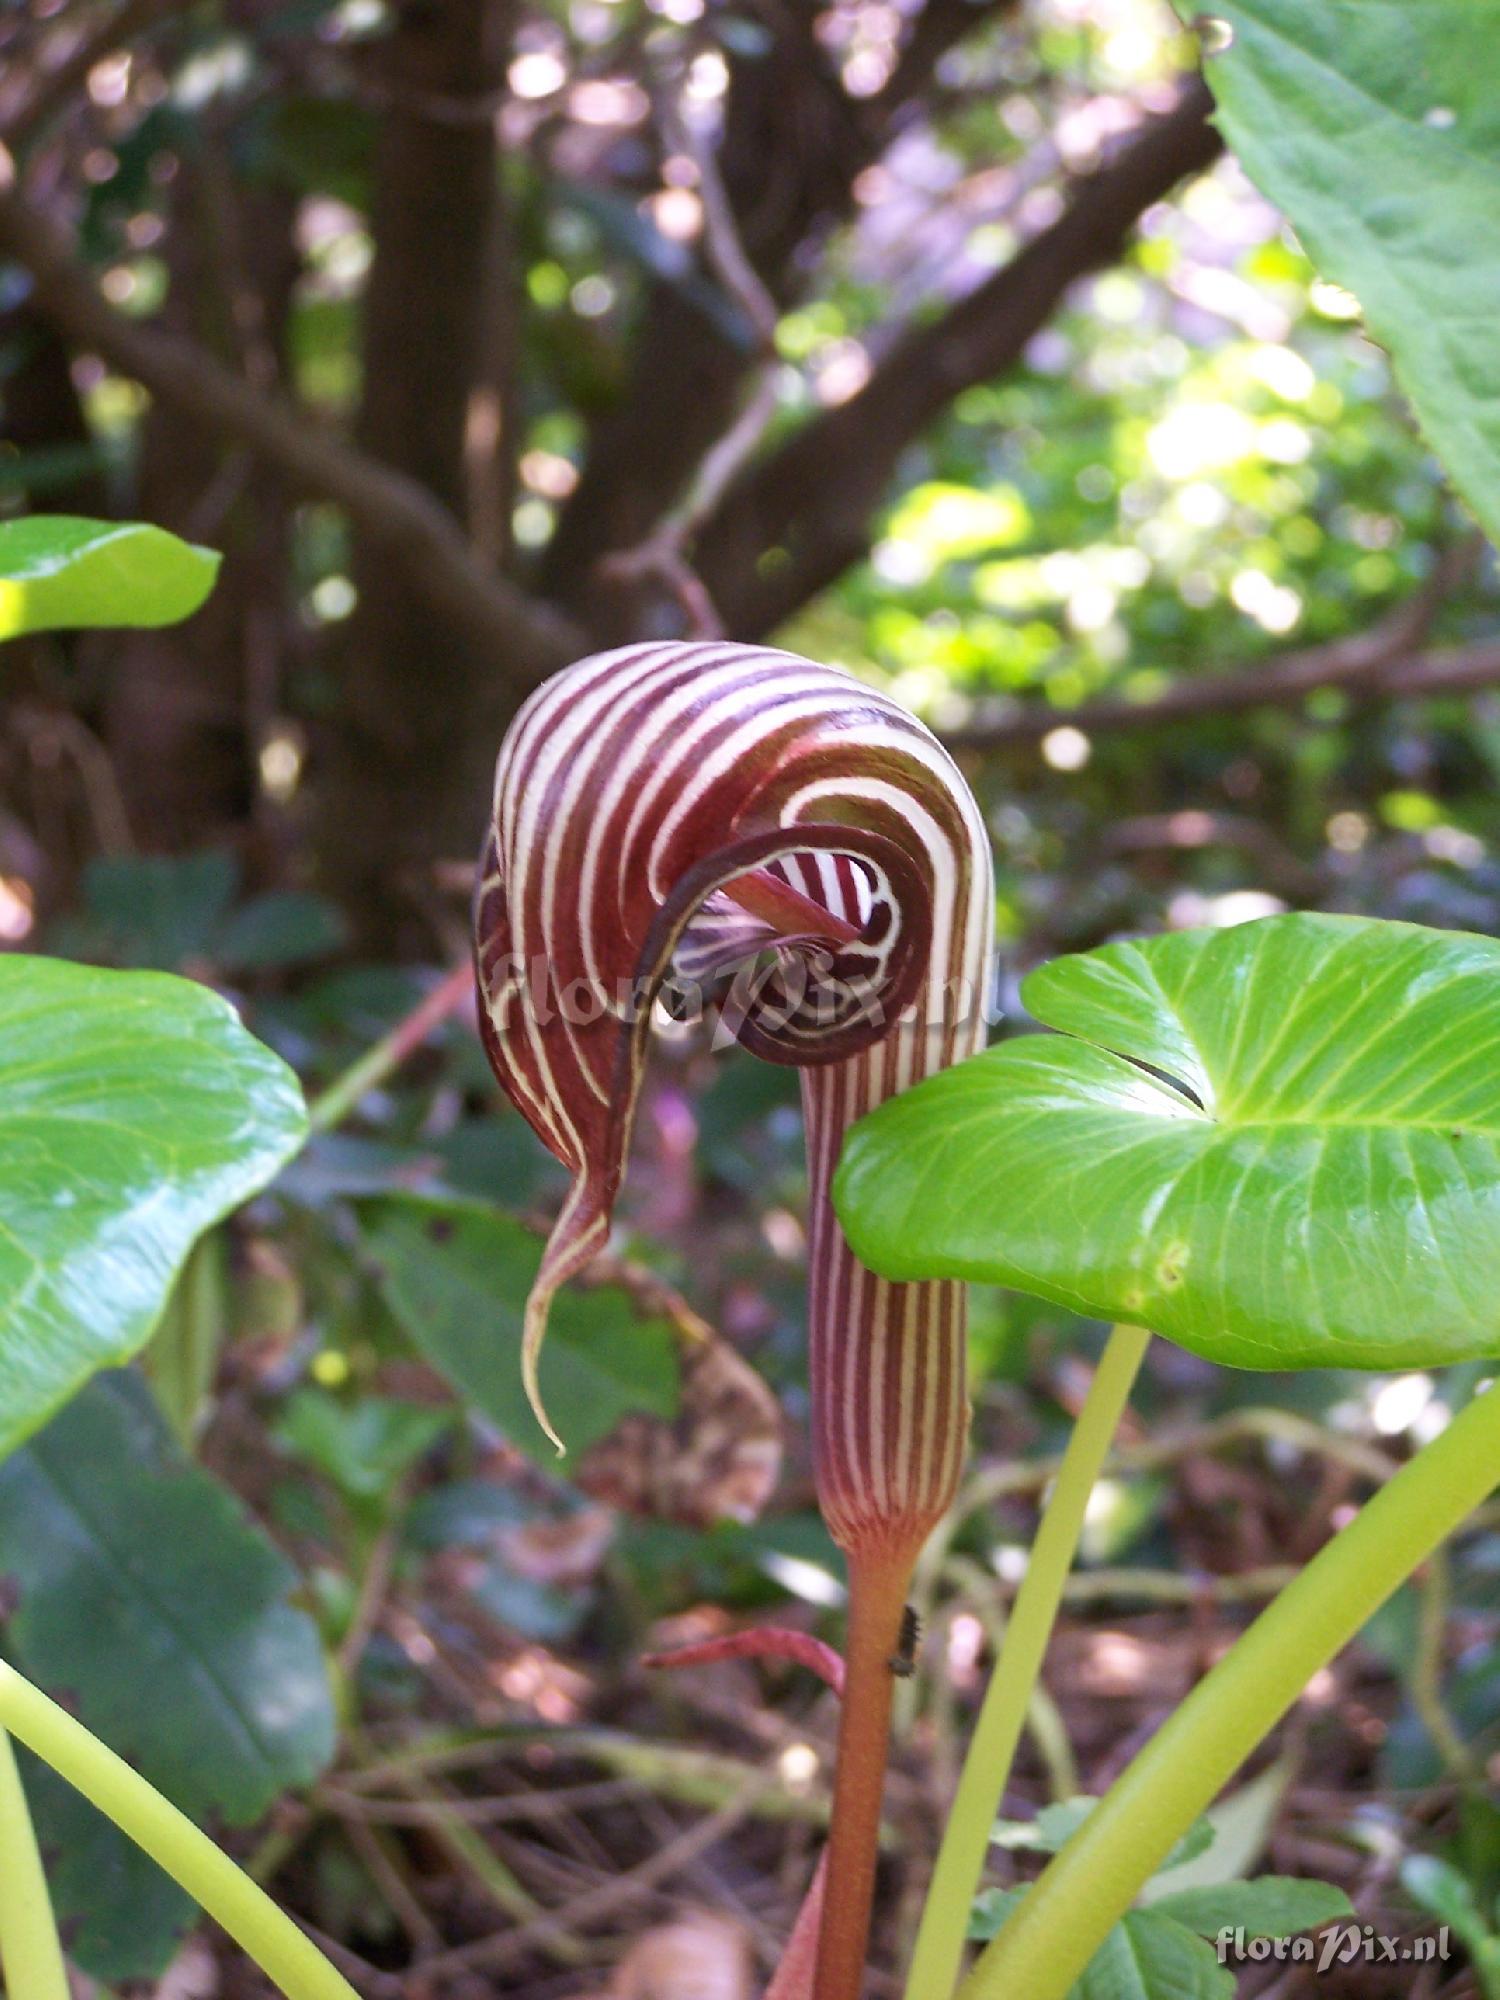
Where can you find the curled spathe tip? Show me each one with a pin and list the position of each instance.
(538, 1306)
(579, 1234)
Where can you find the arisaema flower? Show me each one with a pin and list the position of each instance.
(669, 815)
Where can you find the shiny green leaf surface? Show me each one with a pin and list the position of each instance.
(135, 1110)
(1374, 126)
(59, 572)
(1311, 1177)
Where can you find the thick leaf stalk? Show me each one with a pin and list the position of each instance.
(216, 1883)
(30, 1955)
(666, 817)
(1095, 1878)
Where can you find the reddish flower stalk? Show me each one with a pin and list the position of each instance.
(685, 810)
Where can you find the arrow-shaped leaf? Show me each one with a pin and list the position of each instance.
(1277, 1144)
(135, 1110)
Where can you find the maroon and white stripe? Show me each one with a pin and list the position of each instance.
(680, 809)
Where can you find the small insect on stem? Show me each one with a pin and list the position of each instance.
(903, 1662)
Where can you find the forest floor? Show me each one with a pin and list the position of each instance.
(517, 1817)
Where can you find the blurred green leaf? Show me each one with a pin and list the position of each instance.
(284, 927)
(160, 911)
(1238, 1827)
(1375, 125)
(135, 1110)
(335, 1166)
(1446, 1893)
(366, 1445)
(1278, 1144)
(147, 1601)
(143, 1591)
(58, 571)
(992, 1911)
(172, 912)
(1270, 1906)
(945, 521)
(457, 1278)
(124, 1917)
(1144, 1957)
(1409, 1758)
(1057, 1823)
(1053, 1826)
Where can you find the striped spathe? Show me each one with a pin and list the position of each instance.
(679, 815)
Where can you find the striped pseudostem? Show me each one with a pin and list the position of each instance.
(671, 813)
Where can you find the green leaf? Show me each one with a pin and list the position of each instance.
(1278, 1145)
(1271, 1906)
(145, 1594)
(135, 1111)
(1375, 125)
(1056, 1824)
(58, 571)
(1238, 1827)
(171, 911)
(1149, 1957)
(283, 927)
(146, 1601)
(122, 1917)
(457, 1278)
(1146, 1956)
(1447, 1893)
(1053, 1826)
(365, 1447)
(157, 912)
(992, 1911)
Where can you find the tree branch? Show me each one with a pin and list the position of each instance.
(1378, 664)
(940, 26)
(793, 145)
(813, 499)
(1445, 670)
(63, 65)
(663, 553)
(421, 536)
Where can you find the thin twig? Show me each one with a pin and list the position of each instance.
(489, 1954)
(1257, 1425)
(343, 1096)
(690, 1777)
(522, 1808)
(373, 1850)
(721, 236)
(59, 85)
(1151, 1586)
(1374, 664)
(663, 552)
(367, 1605)
(1427, 1672)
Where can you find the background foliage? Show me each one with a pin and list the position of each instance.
(942, 342)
